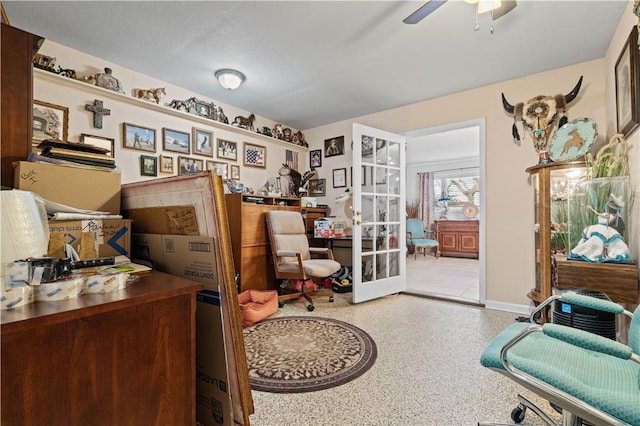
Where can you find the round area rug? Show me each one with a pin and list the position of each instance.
(304, 354)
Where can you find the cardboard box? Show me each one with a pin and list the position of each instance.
(72, 186)
(327, 227)
(194, 257)
(91, 238)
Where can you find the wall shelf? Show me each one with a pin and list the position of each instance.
(66, 81)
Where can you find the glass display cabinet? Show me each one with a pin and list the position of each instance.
(567, 206)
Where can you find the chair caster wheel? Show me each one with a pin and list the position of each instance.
(331, 299)
(517, 414)
(310, 308)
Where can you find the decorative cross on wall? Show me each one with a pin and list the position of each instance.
(98, 111)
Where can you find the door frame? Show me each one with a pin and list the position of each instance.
(480, 124)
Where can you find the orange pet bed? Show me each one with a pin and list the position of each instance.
(256, 305)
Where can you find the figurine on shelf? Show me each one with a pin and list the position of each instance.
(286, 134)
(106, 80)
(603, 242)
(298, 139)
(265, 131)
(244, 122)
(277, 131)
(153, 95)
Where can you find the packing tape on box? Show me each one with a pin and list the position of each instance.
(23, 226)
(60, 290)
(105, 283)
(15, 296)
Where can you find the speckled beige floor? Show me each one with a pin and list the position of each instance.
(427, 372)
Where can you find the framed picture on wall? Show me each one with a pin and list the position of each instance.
(188, 165)
(100, 142)
(50, 121)
(317, 187)
(227, 149)
(148, 165)
(340, 178)
(255, 155)
(221, 169)
(175, 140)
(235, 172)
(138, 137)
(166, 164)
(202, 142)
(315, 158)
(627, 76)
(334, 146)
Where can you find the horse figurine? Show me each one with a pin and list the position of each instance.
(150, 94)
(298, 139)
(179, 105)
(244, 123)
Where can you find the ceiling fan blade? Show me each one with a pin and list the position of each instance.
(424, 11)
(506, 7)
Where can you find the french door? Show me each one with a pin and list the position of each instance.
(379, 217)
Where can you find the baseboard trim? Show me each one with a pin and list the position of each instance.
(508, 307)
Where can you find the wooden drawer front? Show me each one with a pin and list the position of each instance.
(256, 269)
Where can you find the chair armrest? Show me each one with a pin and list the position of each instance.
(592, 302)
(321, 250)
(286, 253)
(586, 340)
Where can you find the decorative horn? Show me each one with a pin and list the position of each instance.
(507, 106)
(572, 94)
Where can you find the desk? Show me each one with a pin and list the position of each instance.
(120, 358)
(342, 248)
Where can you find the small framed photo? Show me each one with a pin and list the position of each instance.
(202, 142)
(100, 142)
(340, 178)
(189, 165)
(219, 168)
(175, 140)
(166, 164)
(148, 165)
(235, 172)
(627, 76)
(255, 155)
(334, 146)
(317, 187)
(138, 137)
(50, 121)
(204, 109)
(227, 149)
(315, 158)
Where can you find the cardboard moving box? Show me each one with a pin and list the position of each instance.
(91, 238)
(194, 257)
(327, 227)
(81, 188)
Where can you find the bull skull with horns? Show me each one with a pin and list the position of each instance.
(539, 115)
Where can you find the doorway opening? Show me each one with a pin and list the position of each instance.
(453, 155)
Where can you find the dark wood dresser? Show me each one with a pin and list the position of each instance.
(458, 238)
(120, 358)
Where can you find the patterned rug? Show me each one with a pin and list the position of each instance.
(305, 354)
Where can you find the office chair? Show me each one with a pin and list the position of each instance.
(417, 238)
(589, 377)
(293, 259)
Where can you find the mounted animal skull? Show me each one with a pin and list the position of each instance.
(539, 115)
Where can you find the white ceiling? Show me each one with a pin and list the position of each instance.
(312, 63)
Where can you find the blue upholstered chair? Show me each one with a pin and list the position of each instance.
(417, 238)
(590, 377)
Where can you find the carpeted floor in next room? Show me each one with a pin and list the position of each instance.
(427, 370)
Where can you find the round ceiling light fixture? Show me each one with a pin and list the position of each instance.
(230, 79)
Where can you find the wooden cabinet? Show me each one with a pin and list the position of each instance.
(458, 238)
(112, 359)
(16, 94)
(250, 239)
(554, 185)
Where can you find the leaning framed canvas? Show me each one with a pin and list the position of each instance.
(138, 137)
(100, 142)
(202, 142)
(50, 121)
(627, 76)
(255, 155)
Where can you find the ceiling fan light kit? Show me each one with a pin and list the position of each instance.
(498, 9)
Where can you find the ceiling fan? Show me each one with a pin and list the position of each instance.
(497, 8)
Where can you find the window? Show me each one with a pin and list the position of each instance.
(454, 188)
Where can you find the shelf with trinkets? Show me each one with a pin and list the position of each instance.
(71, 82)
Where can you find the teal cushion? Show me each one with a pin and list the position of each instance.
(607, 383)
(423, 242)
